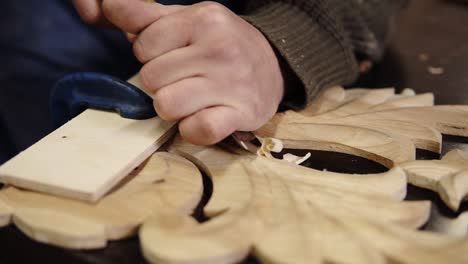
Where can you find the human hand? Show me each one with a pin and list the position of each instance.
(203, 65)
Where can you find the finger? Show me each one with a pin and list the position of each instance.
(172, 67)
(89, 10)
(210, 125)
(133, 16)
(131, 37)
(169, 33)
(186, 97)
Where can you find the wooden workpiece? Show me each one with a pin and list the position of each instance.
(283, 213)
(398, 118)
(87, 156)
(164, 183)
(275, 210)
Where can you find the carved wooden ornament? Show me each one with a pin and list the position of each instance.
(275, 210)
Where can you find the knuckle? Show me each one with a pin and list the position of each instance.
(227, 49)
(212, 13)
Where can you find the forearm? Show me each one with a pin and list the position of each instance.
(318, 40)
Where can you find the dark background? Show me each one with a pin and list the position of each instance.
(430, 33)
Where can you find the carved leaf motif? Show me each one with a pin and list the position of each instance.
(275, 210)
(283, 213)
(448, 177)
(412, 117)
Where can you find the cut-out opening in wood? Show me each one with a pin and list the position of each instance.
(454, 142)
(422, 154)
(416, 193)
(198, 212)
(335, 161)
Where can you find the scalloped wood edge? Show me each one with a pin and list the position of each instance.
(448, 177)
(280, 221)
(384, 148)
(165, 183)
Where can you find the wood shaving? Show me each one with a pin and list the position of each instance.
(408, 92)
(296, 159)
(269, 145)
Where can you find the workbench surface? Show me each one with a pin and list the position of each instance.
(431, 33)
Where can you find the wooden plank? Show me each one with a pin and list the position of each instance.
(87, 156)
(166, 182)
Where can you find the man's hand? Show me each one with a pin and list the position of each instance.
(203, 65)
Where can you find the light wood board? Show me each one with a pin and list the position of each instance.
(87, 156)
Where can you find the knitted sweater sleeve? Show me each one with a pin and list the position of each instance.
(318, 41)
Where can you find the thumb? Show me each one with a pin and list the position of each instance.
(133, 16)
(210, 125)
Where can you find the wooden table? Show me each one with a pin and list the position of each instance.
(431, 33)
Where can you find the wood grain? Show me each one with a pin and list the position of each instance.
(86, 157)
(283, 213)
(273, 209)
(383, 148)
(400, 116)
(165, 183)
(89, 155)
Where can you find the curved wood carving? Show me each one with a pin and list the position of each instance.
(448, 177)
(278, 211)
(283, 213)
(165, 183)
